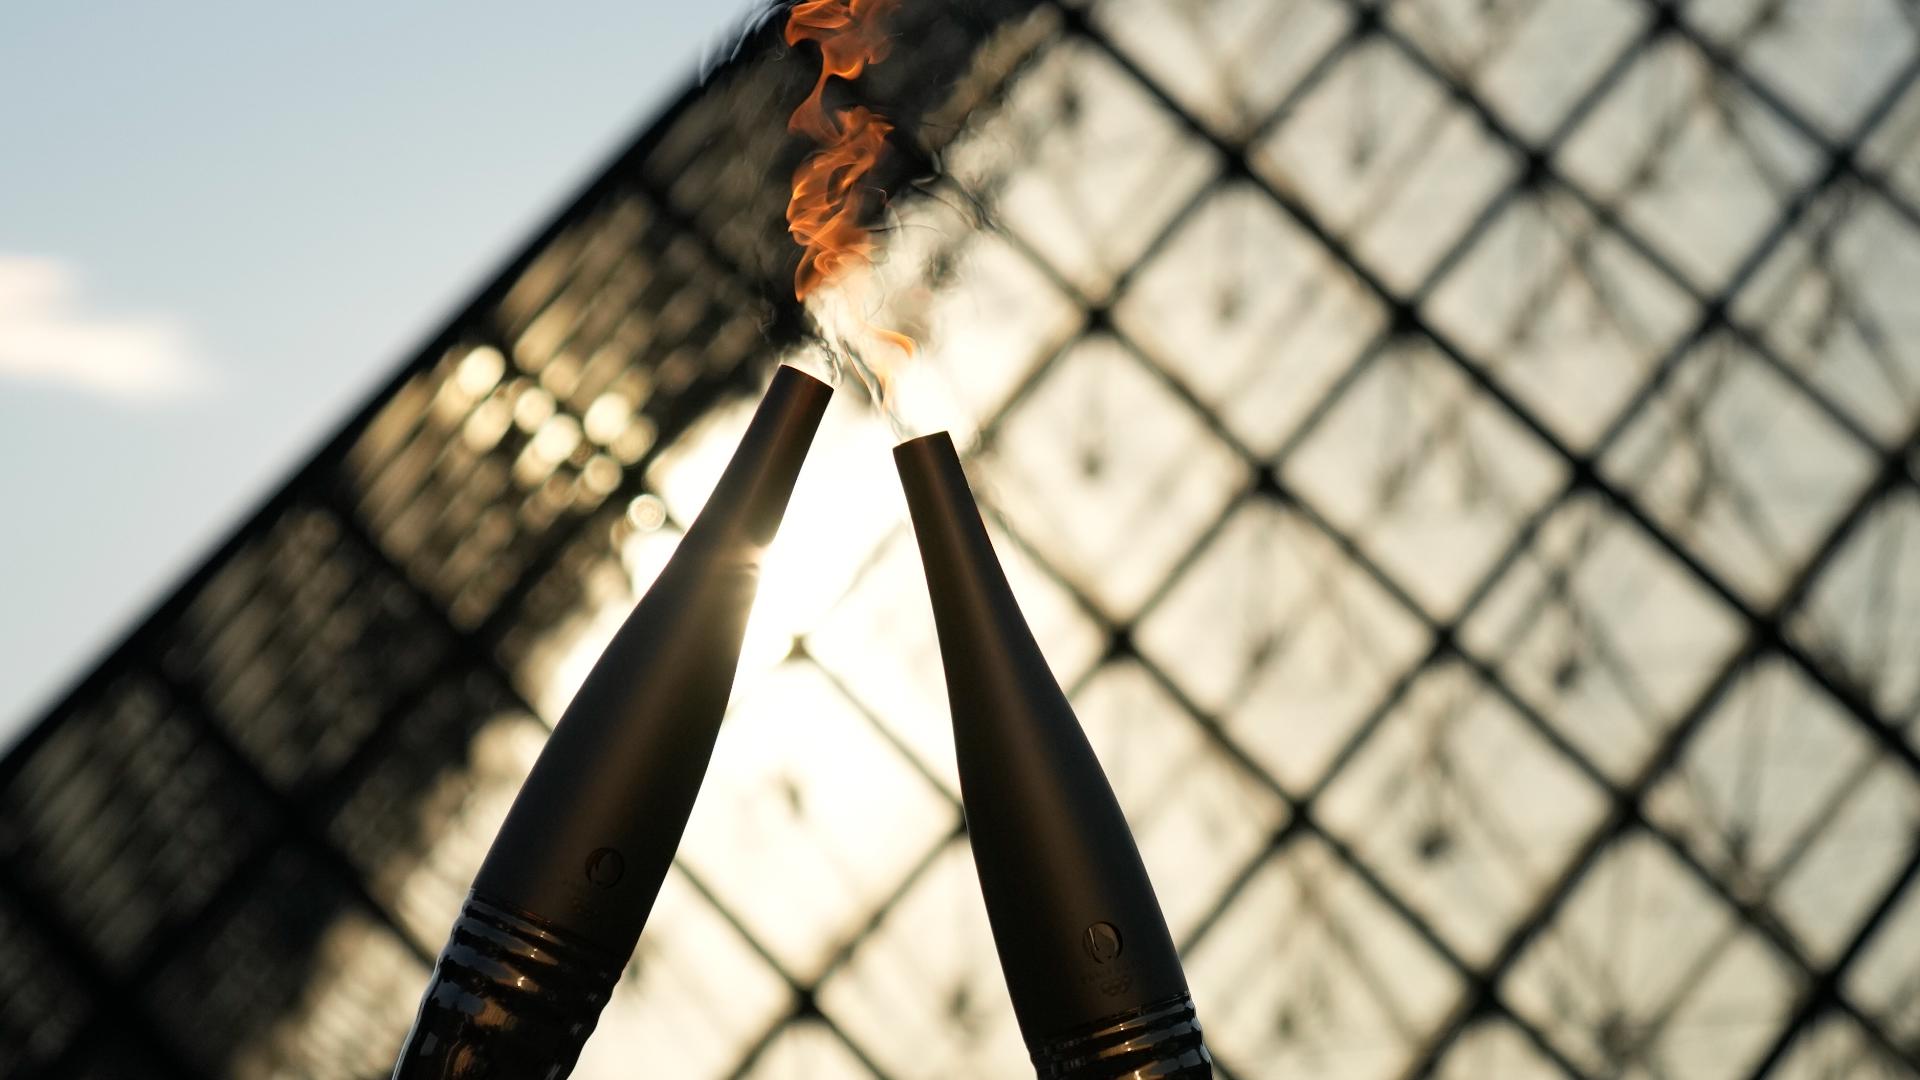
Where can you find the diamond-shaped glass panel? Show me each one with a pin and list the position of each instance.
(1561, 311)
(1694, 163)
(1230, 62)
(1603, 634)
(1894, 146)
(1108, 474)
(1853, 861)
(1834, 1048)
(1643, 973)
(1768, 766)
(1862, 616)
(1785, 799)
(1727, 1017)
(1739, 466)
(923, 996)
(1198, 816)
(1081, 163)
(1308, 974)
(807, 819)
(1424, 472)
(1276, 633)
(845, 504)
(1833, 300)
(694, 997)
(1885, 980)
(1462, 809)
(1384, 157)
(1251, 312)
(1829, 61)
(1529, 59)
(983, 314)
(879, 643)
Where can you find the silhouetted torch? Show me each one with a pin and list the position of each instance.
(559, 903)
(1095, 981)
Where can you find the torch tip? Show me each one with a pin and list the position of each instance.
(792, 373)
(934, 440)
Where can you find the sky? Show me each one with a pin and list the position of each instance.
(223, 224)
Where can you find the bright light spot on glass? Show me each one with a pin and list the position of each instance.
(601, 474)
(647, 512)
(632, 444)
(488, 422)
(480, 371)
(557, 438)
(532, 409)
(607, 417)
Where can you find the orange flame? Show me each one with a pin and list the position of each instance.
(828, 200)
(824, 213)
(849, 36)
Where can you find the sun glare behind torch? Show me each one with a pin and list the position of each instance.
(1096, 983)
(559, 903)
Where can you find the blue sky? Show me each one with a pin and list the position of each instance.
(221, 225)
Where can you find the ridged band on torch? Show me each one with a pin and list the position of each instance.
(1096, 983)
(560, 901)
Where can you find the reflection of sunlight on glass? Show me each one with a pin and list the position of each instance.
(608, 417)
(644, 554)
(686, 471)
(846, 501)
(479, 372)
(487, 424)
(779, 611)
(556, 438)
(807, 820)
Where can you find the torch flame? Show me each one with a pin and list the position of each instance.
(829, 199)
(824, 213)
(848, 33)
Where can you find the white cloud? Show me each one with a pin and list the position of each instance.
(48, 335)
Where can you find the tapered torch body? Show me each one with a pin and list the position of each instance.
(1095, 980)
(559, 903)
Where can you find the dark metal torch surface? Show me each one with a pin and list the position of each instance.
(594, 829)
(1080, 935)
(591, 835)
